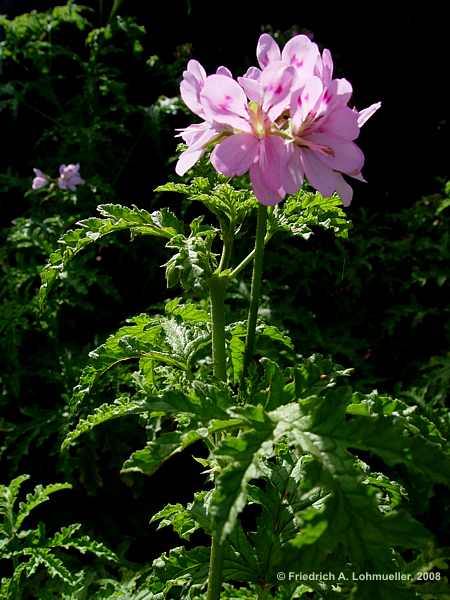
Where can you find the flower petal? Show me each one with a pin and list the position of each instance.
(343, 190)
(300, 51)
(252, 88)
(321, 177)
(187, 160)
(342, 122)
(224, 71)
(197, 70)
(267, 50)
(338, 93)
(302, 54)
(344, 156)
(305, 101)
(264, 194)
(252, 73)
(198, 134)
(293, 174)
(235, 154)
(224, 102)
(324, 67)
(276, 81)
(191, 86)
(366, 113)
(197, 137)
(39, 181)
(272, 160)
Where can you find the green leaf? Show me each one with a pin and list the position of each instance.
(244, 460)
(179, 518)
(304, 211)
(121, 407)
(238, 333)
(149, 459)
(229, 204)
(290, 487)
(188, 312)
(53, 565)
(182, 568)
(64, 539)
(338, 507)
(393, 431)
(194, 262)
(163, 339)
(186, 520)
(38, 496)
(115, 218)
(8, 497)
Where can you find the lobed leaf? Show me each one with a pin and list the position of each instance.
(162, 339)
(115, 217)
(38, 496)
(304, 211)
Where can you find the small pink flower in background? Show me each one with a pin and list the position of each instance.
(282, 122)
(69, 177)
(40, 180)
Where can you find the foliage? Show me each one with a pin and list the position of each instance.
(29, 550)
(115, 218)
(290, 444)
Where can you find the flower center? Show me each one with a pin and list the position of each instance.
(258, 120)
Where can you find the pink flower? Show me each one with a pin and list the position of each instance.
(282, 122)
(324, 129)
(69, 177)
(40, 181)
(256, 145)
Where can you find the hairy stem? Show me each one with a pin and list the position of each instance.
(215, 570)
(217, 294)
(256, 288)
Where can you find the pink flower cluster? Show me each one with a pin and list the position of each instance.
(282, 122)
(69, 178)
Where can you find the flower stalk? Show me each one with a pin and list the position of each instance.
(217, 285)
(256, 287)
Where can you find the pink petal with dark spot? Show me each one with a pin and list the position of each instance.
(224, 102)
(267, 50)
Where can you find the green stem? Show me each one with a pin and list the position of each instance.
(215, 570)
(217, 294)
(226, 250)
(248, 259)
(256, 287)
(117, 4)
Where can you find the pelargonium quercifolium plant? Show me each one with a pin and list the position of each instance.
(284, 434)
